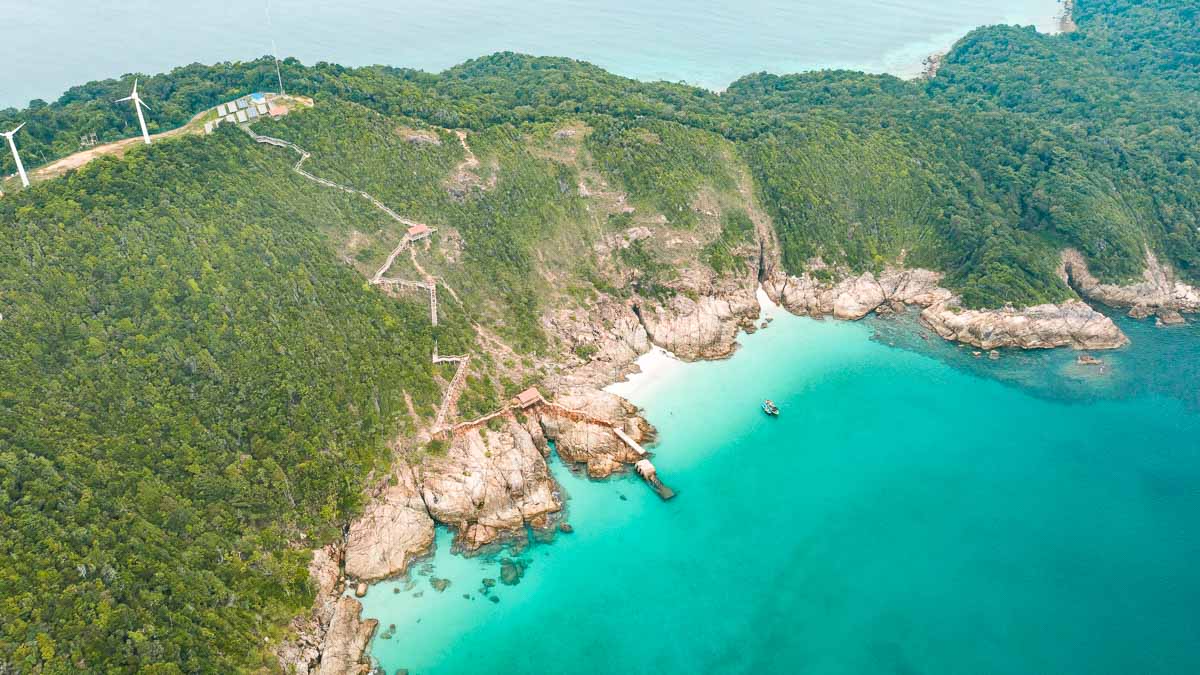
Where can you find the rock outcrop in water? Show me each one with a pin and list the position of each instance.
(582, 440)
(1071, 324)
(489, 483)
(1159, 291)
(346, 640)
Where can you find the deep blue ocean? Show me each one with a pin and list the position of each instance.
(913, 510)
(49, 45)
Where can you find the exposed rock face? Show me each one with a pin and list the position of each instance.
(579, 439)
(302, 655)
(853, 298)
(346, 640)
(1169, 317)
(704, 328)
(610, 330)
(489, 483)
(1071, 324)
(1159, 289)
(393, 529)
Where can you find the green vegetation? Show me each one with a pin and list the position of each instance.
(193, 386)
(662, 164)
(650, 274)
(182, 396)
(736, 229)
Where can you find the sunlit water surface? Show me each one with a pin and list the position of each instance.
(50, 45)
(915, 509)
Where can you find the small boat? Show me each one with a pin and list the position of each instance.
(770, 408)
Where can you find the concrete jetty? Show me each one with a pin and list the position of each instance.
(648, 473)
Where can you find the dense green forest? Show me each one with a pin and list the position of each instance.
(1024, 142)
(183, 395)
(194, 386)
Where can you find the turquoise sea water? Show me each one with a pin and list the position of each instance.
(914, 510)
(50, 45)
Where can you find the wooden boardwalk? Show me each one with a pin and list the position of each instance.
(430, 284)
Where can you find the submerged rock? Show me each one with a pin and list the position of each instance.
(511, 572)
(565, 527)
(439, 585)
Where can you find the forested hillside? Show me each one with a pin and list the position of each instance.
(196, 381)
(191, 381)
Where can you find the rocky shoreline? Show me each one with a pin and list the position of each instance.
(489, 485)
(493, 482)
(1159, 293)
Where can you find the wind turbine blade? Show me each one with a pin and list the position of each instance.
(18, 128)
(143, 104)
(135, 81)
(122, 100)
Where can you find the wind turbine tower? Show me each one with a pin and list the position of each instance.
(12, 145)
(138, 104)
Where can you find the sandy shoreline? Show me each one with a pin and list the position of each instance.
(659, 364)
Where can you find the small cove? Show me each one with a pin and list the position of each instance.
(914, 509)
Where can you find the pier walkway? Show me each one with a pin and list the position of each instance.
(430, 283)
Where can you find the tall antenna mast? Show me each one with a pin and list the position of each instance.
(275, 50)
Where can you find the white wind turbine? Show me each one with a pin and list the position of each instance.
(16, 158)
(138, 104)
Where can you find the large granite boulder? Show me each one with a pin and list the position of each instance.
(588, 437)
(490, 483)
(393, 529)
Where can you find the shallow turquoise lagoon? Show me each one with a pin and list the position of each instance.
(913, 510)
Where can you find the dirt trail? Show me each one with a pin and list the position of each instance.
(118, 148)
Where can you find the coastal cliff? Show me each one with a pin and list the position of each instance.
(583, 440)
(1160, 292)
(491, 483)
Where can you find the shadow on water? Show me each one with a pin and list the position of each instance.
(1158, 361)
